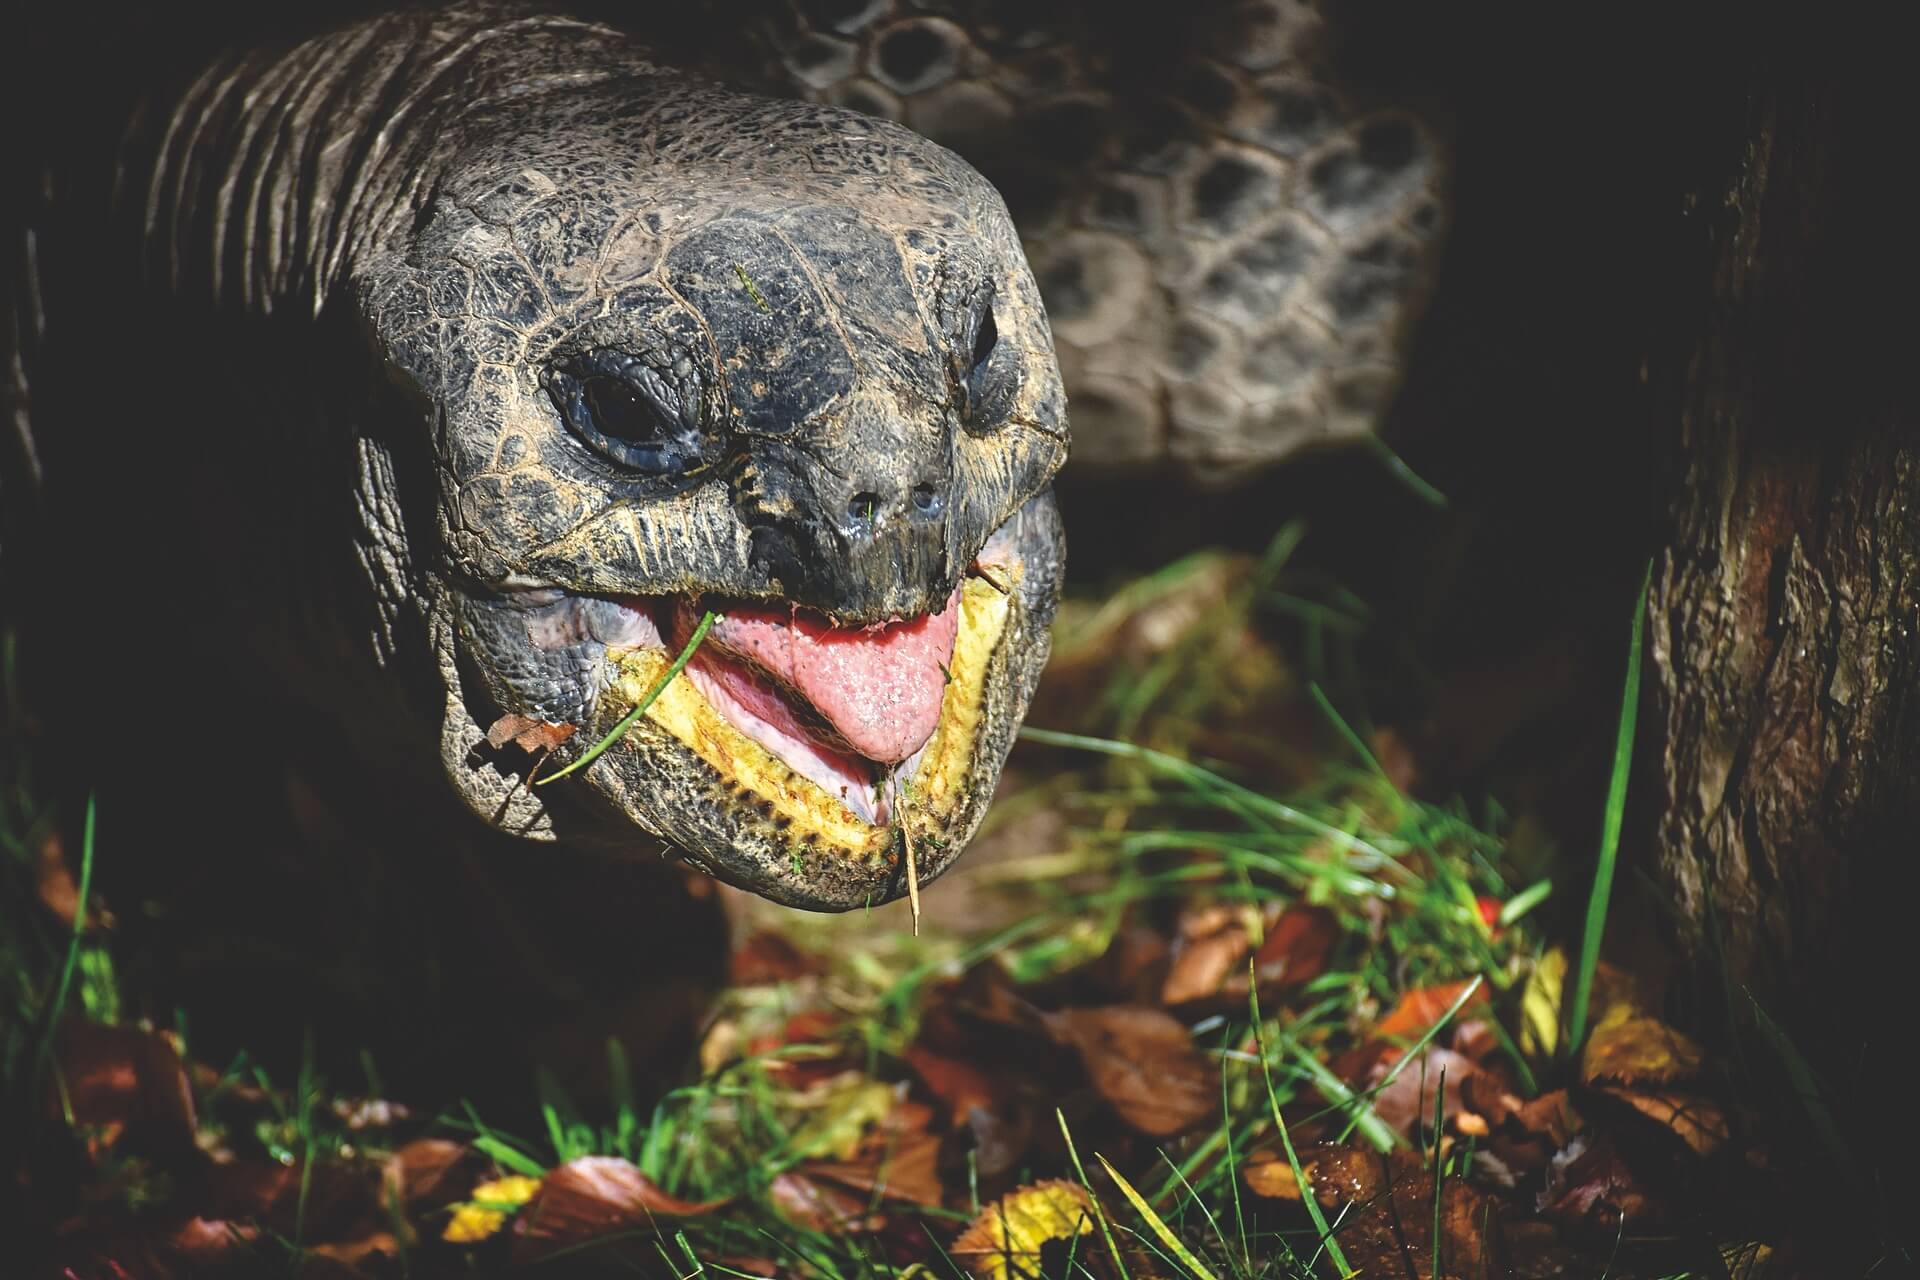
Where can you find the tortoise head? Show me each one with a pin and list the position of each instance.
(681, 351)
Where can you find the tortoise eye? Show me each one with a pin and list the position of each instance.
(985, 337)
(990, 373)
(627, 413)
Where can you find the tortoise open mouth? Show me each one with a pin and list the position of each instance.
(778, 698)
(820, 765)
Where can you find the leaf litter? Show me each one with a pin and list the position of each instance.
(1402, 1103)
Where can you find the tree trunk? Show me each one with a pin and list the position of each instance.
(1784, 624)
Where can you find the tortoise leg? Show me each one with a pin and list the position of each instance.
(1230, 244)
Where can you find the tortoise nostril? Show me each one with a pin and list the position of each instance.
(926, 499)
(864, 508)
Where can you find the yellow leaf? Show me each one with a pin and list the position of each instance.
(1003, 1243)
(1635, 1048)
(487, 1212)
(836, 1129)
(1539, 1034)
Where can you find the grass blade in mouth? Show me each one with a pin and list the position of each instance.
(627, 721)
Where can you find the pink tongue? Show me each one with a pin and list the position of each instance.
(879, 687)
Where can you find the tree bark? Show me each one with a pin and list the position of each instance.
(1784, 640)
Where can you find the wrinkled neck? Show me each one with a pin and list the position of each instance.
(277, 170)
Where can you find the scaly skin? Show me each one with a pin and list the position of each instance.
(380, 249)
(498, 197)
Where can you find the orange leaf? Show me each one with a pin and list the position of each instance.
(529, 735)
(1419, 1010)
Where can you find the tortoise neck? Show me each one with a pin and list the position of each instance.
(276, 172)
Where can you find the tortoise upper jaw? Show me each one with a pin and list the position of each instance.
(764, 813)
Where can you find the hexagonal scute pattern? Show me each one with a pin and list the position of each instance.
(1230, 247)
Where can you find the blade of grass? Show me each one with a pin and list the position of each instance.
(1609, 831)
(1355, 743)
(308, 1086)
(1806, 1087)
(1154, 1220)
(1426, 1037)
(1307, 1197)
(1248, 803)
(632, 717)
(1439, 1169)
(58, 1004)
(1398, 468)
(1099, 1214)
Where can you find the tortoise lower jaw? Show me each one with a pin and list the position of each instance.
(716, 782)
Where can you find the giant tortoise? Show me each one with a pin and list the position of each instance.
(399, 393)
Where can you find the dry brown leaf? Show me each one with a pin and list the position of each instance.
(531, 736)
(1005, 1240)
(1630, 1047)
(596, 1196)
(424, 1172)
(905, 1171)
(202, 1242)
(1550, 1115)
(1386, 1214)
(1407, 1100)
(1142, 1061)
(1202, 965)
(766, 958)
(956, 1082)
(1296, 949)
(1591, 1188)
(818, 1205)
(1695, 1120)
(123, 1082)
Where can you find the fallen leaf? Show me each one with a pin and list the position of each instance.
(1539, 1032)
(423, 1172)
(596, 1196)
(126, 1083)
(849, 1109)
(1386, 1213)
(54, 882)
(1273, 1178)
(486, 1212)
(821, 1206)
(1419, 1010)
(768, 957)
(1201, 965)
(1142, 1061)
(1005, 1240)
(1296, 949)
(1592, 1189)
(531, 736)
(1550, 1115)
(906, 1170)
(202, 1242)
(1695, 1120)
(1406, 1103)
(1631, 1047)
(956, 1082)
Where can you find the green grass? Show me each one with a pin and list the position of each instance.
(1149, 826)
(632, 717)
(1611, 818)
